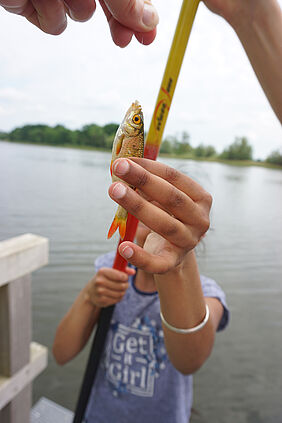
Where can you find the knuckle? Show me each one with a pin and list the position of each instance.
(205, 224)
(142, 179)
(171, 175)
(192, 243)
(98, 283)
(124, 279)
(170, 229)
(131, 9)
(207, 199)
(100, 290)
(175, 199)
(137, 207)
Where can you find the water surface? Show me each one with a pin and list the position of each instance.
(62, 194)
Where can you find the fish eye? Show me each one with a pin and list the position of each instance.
(136, 119)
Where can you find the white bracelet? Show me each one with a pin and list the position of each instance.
(191, 330)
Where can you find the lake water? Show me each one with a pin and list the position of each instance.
(62, 194)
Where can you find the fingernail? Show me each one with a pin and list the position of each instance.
(127, 252)
(119, 191)
(121, 167)
(150, 16)
(72, 15)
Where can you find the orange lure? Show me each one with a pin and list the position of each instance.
(128, 142)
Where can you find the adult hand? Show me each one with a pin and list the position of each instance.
(126, 18)
(235, 10)
(108, 286)
(224, 8)
(173, 206)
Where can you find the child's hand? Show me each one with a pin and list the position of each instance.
(108, 286)
(173, 206)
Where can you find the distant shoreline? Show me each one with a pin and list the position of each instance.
(244, 163)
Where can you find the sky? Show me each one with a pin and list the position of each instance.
(81, 77)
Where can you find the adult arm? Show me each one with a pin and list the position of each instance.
(258, 24)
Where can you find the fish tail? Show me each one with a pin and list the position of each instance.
(119, 222)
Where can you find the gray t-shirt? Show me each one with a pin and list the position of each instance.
(136, 381)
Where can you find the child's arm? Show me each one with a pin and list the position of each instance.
(107, 287)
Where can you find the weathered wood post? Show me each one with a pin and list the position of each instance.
(20, 359)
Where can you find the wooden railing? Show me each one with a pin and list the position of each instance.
(20, 359)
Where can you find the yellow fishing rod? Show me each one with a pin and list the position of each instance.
(152, 146)
(172, 69)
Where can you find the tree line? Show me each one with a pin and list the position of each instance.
(90, 135)
(101, 137)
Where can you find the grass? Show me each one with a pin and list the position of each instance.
(224, 161)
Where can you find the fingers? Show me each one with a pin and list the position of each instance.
(150, 263)
(126, 18)
(15, 6)
(80, 10)
(174, 191)
(49, 16)
(146, 38)
(121, 35)
(138, 15)
(176, 178)
(112, 274)
(152, 216)
(176, 217)
(123, 25)
(172, 199)
(130, 271)
(109, 287)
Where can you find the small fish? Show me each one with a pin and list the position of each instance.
(128, 142)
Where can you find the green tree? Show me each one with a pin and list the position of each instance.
(166, 147)
(93, 135)
(110, 128)
(182, 146)
(240, 149)
(204, 151)
(3, 135)
(210, 151)
(275, 158)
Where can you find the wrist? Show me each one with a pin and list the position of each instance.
(177, 271)
(89, 298)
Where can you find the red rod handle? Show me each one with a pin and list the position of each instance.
(131, 226)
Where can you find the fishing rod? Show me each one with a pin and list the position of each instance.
(152, 146)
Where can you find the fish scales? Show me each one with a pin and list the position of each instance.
(128, 142)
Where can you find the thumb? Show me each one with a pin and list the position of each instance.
(138, 15)
(130, 271)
